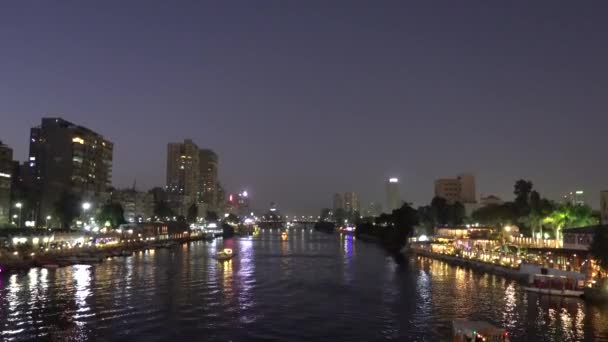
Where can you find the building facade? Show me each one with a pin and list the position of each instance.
(460, 189)
(137, 206)
(338, 202)
(208, 170)
(183, 175)
(351, 202)
(575, 197)
(65, 157)
(393, 201)
(6, 174)
(604, 206)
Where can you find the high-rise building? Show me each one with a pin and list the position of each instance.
(137, 206)
(208, 178)
(460, 189)
(65, 157)
(448, 189)
(351, 202)
(392, 194)
(338, 201)
(183, 175)
(6, 174)
(604, 206)
(468, 192)
(575, 197)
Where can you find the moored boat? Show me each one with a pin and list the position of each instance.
(555, 286)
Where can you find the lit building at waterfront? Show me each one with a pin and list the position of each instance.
(393, 201)
(65, 157)
(6, 174)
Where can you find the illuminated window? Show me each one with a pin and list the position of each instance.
(78, 140)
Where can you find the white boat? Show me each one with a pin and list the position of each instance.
(225, 255)
(555, 286)
(464, 330)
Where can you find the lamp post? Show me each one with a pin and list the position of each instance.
(47, 221)
(19, 205)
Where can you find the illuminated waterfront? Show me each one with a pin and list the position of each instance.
(311, 286)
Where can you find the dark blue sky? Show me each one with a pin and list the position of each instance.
(305, 98)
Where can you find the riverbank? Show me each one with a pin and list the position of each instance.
(508, 272)
(19, 262)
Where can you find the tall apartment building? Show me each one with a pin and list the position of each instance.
(351, 202)
(183, 172)
(393, 201)
(208, 170)
(6, 174)
(338, 201)
(191, 176)
(65, 157)
(460, 189)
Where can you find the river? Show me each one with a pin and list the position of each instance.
(310, 287)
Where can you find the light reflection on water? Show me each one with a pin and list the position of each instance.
(337, 287)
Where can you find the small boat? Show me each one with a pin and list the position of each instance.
(225, 255)
(555, 286)
(464, 330)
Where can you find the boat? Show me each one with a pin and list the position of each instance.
(465, 330)
(225, 254)
(555, 286)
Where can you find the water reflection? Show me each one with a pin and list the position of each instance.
(335, 288)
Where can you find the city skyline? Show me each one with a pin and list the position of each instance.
(503, 87)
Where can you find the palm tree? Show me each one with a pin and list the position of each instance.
(570, 216)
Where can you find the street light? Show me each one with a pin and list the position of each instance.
(85, 206)
(47, 220)
(19, 205)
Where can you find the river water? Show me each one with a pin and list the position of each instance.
(310, 287)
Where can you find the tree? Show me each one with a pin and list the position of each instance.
(440, 210)
(340, 215)
(456, 214)
(598, 247)
(569, 216)
(112, 213)
(67, 208)
(325, 214)
(496, 214)
(162, 209)
(211, 216)
(523, 190)
(232, 219)
(192, 213)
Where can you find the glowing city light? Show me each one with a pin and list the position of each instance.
(393, 180)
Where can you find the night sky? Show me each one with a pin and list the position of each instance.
(302, 99)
